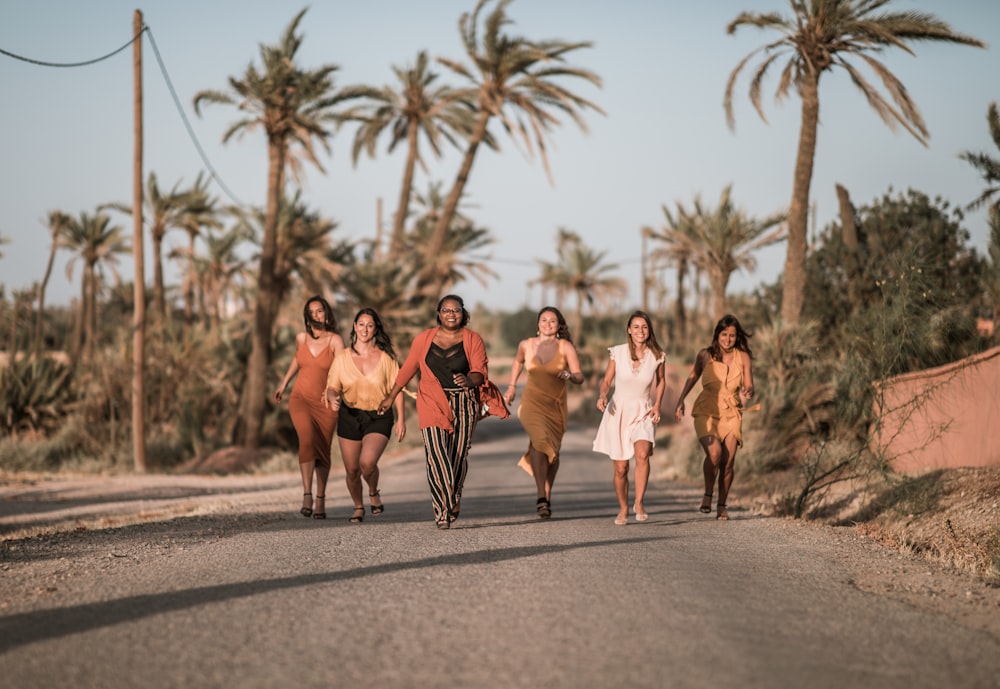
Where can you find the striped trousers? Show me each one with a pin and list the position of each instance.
(448, 453)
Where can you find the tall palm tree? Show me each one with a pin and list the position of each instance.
(986, 165)
(96, 243)
(59, 223)
(676, 250)
(218, 269)
(439, 112)
(456, 260)
(294, 107)
(518, 82)
(722, 240)
(581, 271)
(200, 212)
(819, 36)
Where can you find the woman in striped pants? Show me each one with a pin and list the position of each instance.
(452, 362)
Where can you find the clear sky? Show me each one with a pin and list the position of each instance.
(66, 133)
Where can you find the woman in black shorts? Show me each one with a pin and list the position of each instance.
(355, 386)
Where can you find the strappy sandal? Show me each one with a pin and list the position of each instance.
(444, 523)
(706, 504)
(377, 509)
(306, 511)
(722, 514)
(320, 515)
(544, 508)
(358, 518)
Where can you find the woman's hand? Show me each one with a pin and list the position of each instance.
(278, 393)
(509, 395)
(654, 415)
(385, 404)
(399, 428)
(461, 380)
(602, 404)
(679, 411)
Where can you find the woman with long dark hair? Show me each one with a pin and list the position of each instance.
(724, 368)
(628, 421)
(316, 348)
(357, 382)
(551, 361)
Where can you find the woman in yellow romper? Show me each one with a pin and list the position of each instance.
(727, 383)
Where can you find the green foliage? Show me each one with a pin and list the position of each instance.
(35, 394)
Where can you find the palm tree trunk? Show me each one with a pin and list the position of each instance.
(718, 280)
(255, 390)
(399, 220)
(40, 315)
(794, 280)
(680, 315)
(451, 203)
(159, 301)
(189, 280)
(89, 307)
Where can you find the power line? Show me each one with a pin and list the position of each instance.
(187, 122)
(71, 64)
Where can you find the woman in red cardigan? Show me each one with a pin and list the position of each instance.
(452, 363)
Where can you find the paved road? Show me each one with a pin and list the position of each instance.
(268, 599)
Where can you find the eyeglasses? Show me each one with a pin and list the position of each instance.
(454, 311)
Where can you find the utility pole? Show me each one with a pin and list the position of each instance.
(139, 295)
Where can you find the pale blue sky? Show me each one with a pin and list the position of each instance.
(67, 133)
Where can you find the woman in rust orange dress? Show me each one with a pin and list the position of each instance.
(314, 422)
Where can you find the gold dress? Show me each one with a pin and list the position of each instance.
(717, 410)
(543, 410)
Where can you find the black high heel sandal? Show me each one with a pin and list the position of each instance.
(358, 518)
(306, 511)
(706, 508)
(544, 508)
(320, 515)
(377, 509)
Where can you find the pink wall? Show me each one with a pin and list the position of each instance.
(955, 421)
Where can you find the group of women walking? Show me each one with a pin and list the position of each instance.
(355, 390)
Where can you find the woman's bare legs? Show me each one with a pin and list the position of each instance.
(372, 447)
(710, 467)
(306, 469)
(350, 453)
(726, 471)
(643, 449)
(621, 490)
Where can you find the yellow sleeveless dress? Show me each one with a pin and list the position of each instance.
(717, 410)
(543, 410)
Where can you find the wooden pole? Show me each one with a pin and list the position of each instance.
(139, 307)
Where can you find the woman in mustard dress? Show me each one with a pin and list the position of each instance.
(727, 383)
(315, 351)
(551, 361)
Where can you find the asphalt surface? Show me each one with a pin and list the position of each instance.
(253, 595)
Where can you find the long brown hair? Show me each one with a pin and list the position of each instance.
(651, 342)
(742, 337)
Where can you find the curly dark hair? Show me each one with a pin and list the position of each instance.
(329, 322)
(382, 339)
(461, 304)
(563, 332)
(742, 337)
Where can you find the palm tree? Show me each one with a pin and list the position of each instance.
(986, 165)
(293, 106)
(721, 240)
(59, 223)
(819, 36)
(417, 107)
(456, 261)
(96, 243)
(218, 269)
(580, 271)
(677, 251)
(517, 81)
(200, 212)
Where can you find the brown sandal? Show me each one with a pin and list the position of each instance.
(722, 514)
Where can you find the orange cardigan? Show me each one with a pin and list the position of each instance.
(433, 409)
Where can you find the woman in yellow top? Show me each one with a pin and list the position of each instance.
(355, 385)
(551, 361)
(727, 383)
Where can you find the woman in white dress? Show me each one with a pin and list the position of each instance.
(628, 425)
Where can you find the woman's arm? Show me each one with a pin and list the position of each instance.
(696, 369)
(293, 368)
(515, 371)
(747, 391)
(573, 372)
(605, 387)
(661, 385)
